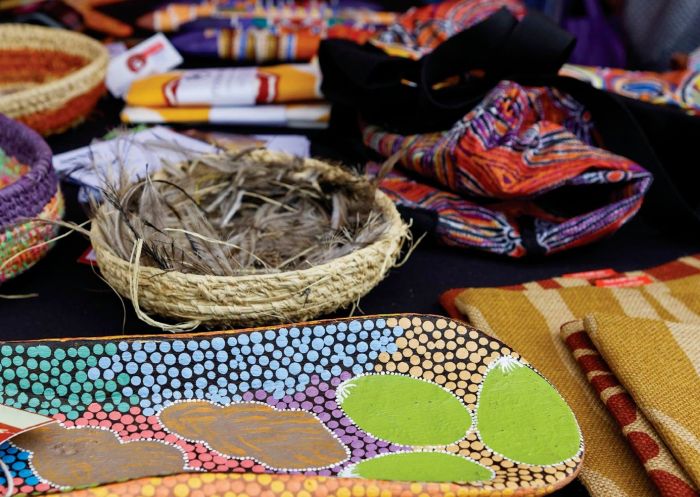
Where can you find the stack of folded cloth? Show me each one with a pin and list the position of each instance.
(625, 357)
(282, 96)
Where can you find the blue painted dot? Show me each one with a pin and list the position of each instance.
(256, 337)
(184, 359)
(218, 343)
(178, 346)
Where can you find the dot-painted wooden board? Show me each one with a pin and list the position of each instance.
(401, 405)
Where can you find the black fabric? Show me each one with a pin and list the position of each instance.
(401, 96)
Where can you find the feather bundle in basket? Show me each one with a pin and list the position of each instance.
(30, 199)
(50, 78)
(256, 237)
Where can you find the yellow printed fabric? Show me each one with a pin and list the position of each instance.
(658, 362)
(650, 337)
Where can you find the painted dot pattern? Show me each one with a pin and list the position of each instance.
(123, 385)
(457, 358)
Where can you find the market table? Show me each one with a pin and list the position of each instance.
(72, 301)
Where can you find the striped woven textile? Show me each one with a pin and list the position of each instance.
(530, 317)
(517, 174)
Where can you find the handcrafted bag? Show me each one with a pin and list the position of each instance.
(28, 190)
(50, 79)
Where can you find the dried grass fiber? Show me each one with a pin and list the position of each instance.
(253, 238)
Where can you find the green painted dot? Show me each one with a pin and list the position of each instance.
(37, 388)
(100, 396)
(22, 372)
(99, 383)
(72, 415)
(54, 371)
(75, 387)
(44, 351)
(65, 379)
(32, 363)
(67, 365)
(81, 376)
(116, 397)
(83, 352)
(80, 364)
(22, 398)
(17, 360)
(91, 361)
(33, 402)
(72, 352)
(108, 407)
(403, 410)
(123, 407)
(62, 390)
(98, 349)
(56, 402)
(422, 466)
(73, 399)
(521, 416)
(19, 349)
(6, 362)
(8, 374)
(24, 383)
(134, 399)
(6, 350)
(123, 379)
(110, 386)
(32, 352)
(11, 389)
(53, 382)
(111, 348)
(88, 387)
(86, 398)
(59, 354)
(55, 363)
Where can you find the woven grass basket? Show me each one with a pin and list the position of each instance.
(29, 191)
(50, 79)
(256, 299)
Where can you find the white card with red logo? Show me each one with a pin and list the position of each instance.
(152, 56)
(15, 421)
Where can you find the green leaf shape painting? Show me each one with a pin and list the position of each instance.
(404, 410)
(438, 467)
(522, 417)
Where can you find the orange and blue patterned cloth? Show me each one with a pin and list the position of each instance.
(519, 174)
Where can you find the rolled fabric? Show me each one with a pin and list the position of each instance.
(308, 116)
(228, 86)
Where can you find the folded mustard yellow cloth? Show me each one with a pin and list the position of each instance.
(661, 465)
(530, 317)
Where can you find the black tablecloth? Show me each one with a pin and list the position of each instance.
(73, 301)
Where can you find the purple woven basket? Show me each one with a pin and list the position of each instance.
(26, 197)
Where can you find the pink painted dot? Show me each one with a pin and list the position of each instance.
(105, 424)
(114, 415)
(219, 459)
(247, 463)
(159, 435)
(195, 463)
(205, 457)
(60, 417)
(88, 415)
(258, 468)
(81, 422)
(26, 489)
(127, 419)
(222, 468)
(101, 415)
(132, 428)
(141, 418)
(42, 487)
(18, 481)
(200, 449)
(94, 422)
(209, 465)
(239, 470)
(69, 424)
(135, 410)
(147, 434)
(191, 456)
(170, 438)
(94, 407)
(118, 427)
(153, 420)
